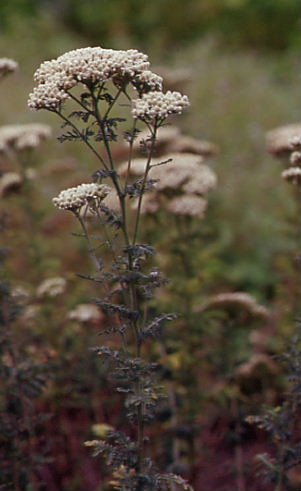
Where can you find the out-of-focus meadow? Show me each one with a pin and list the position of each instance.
(238, 63)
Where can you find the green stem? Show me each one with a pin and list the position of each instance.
(82, 138)
(147, 169)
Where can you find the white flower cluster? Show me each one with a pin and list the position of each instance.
(147, 81)
(7, 66)
(239, 299)
(159, 105)
(96, 64)
(186, 171)
(280, 141)
(10, 181)
(182, 184)
(188, 204)
(292, 174)
(295, 142)
(52, 287)
(86, 312)
(23, 136)
(169, 139)
(75, 198)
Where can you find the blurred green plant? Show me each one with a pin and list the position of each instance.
(263, 24)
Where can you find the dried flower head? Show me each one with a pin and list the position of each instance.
(202, 181)
(86, 65)
(295, 142)
(188, 204)
(279, 140)
(10, 181)
(147, 81)
(185, 144)
(150, 204)
(292, 174)
(240, 299)
(295, 158)
(51, 287)
(257, 362)
(136, 168)
(23, 136)
(7, 66)
(86, 313)
(184, 171)
(112, 201)
(74, 198)
(165, 136)
(159, 105)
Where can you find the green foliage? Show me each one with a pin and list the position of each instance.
(264, 24)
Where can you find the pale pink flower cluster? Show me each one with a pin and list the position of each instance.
(86, 312)
(241, 299)
(185, 171)
(293, 173)
(181, 184)
(7, 66)
(188, 204)
(147, 81)
(23, 136)
(85, 65)
(76, 197)
(52, 287)
(159, 105)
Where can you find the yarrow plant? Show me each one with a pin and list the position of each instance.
(282, 422)
(23, 376)
(96, 79)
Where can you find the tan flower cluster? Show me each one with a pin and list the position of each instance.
(182, 182)
(84, 65)
(7, 66)
(75, 198)
(147, 81)
(21, 137)
(52, 287)
(284, 141)
(185, 171)
(170, 140)
(159, 105)
(241, 299)
(151, 204)
(86, 312)
(188, 204)
(253, 367)
(10, 181)
(293, 173)
(278, 141)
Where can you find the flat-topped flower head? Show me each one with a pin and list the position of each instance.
(7, 66)
(295, 158)
(159, 105)
(183, 171)
(23, 136)
(90, 65)
(74, 198)
(188, 204)
(292, 174)
(147, 81)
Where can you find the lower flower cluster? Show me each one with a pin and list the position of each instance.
(74, 198)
